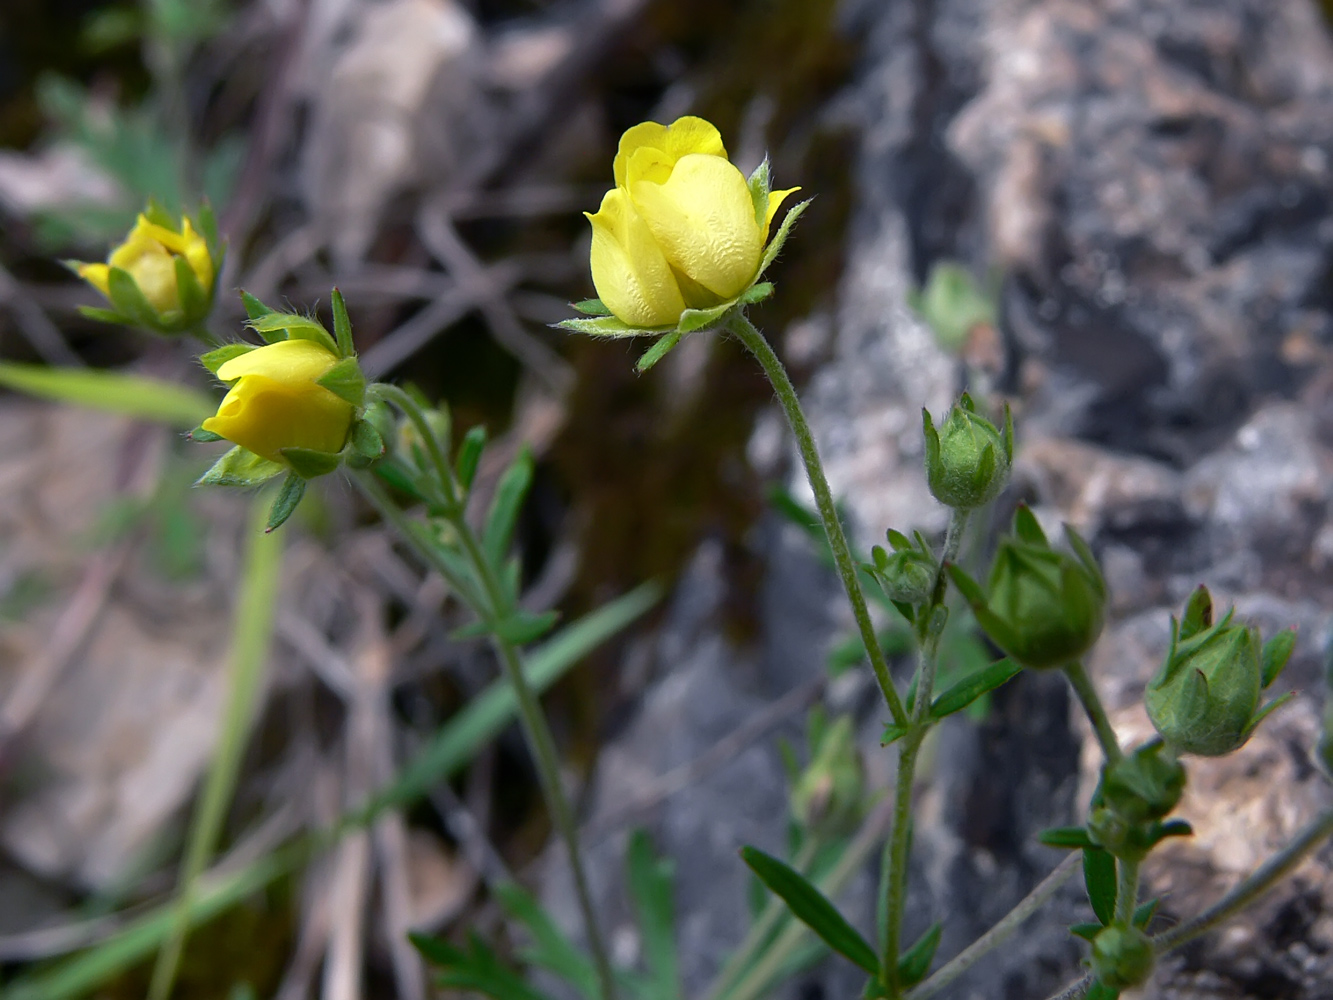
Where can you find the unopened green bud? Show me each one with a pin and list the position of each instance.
(1042, 606)
(968, 459)
(410, 444)
(829, 794)
(1122, 957)
(1144, 786)
(1109, 830)
(907, 575)
(1205, 698)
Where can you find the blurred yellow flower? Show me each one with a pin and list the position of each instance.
(680, 229)
(149, 256)
(276, 401)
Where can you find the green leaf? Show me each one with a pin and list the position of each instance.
(550, 949)
(342, 328)
(469, 456)
(757, 292)
(969, 689)
(487, 714)
(759, 184)
(253, 307)
(893, 733)
(1100, 991)
(1171, 828)
(775, 244)
(296, 327)
(503, 515)
(285, 504)
(812, 908)
(659, 350)
(701, 319)
(609, 326)
(1087, 931)
(591, 307)
(125, 295)
(219, 356)
(365, 441)
(1068, 837)
(111, 392)
(650, 885)
(310, 464)
(193, 297)
(1144, 913)
(345, 381)
(521, 627)
(1099, 877)
(914, 963)
(477, 969)
(240, 467)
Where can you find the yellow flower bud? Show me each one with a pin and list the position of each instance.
(276, 401)
(680, 229)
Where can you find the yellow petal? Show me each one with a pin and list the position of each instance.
(97, 275)
(775, 199)
(682, 137)
(629, 271)
(196, 252)
(265, 416)
(291, 362)
(703, 219)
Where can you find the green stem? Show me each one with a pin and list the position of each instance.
(1247, 891)
(1092, 705)
(412, 409)
(759, 932)
(1126, 891)
(755, 343)
(897, 853)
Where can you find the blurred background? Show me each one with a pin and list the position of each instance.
(1116, 216)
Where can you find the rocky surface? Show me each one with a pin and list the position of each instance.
(1153, 179)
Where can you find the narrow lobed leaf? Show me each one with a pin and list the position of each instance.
(915, 962)
(969, 689)
(510, 493)
(1070, 837)
(285, 504)
(1099, 877)
(469, 456)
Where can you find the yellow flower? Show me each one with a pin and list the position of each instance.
(149, 255)
(276, 401)
(679, 230)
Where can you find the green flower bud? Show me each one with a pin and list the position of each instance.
(1205, 698)
(829, 794)
(1042, 606)
(907, 575)
(967, 459)
(1144, 786)
(1122, 957)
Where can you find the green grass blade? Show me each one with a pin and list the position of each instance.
(252, 633)
(112, 392)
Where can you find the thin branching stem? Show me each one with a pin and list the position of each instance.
(1092, 705)
(755, 343)
(1126, 891)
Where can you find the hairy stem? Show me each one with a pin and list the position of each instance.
(896, 855)
(755, 343)
(999, 934)
(1126, 891)
(1092, 705)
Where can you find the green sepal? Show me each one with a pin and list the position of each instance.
(812, 908)
(346, 381)
(1099, 878)
(276, 326)
(201, 436)
(1066, 838)
(914, 963)
(208, 229)
(898, 541)
(610, 326)
(1087, 931)
(254, 309)
(1026, 525)
(284, 505)
(760, 183)
(1198, 614)
(1266, 711)
(775, 244)
(469, 456)
(219, 356)
(701, 319)
(240, 467)
(365, 441)
(1170, 828)
(1144, 913)
(659, 350)
(342, 328)
(968, 690)
(194, 299)
(757, 292)
(310, 464)
(105, 315)
(125, 295)
(1277, 651)
(591, 307)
